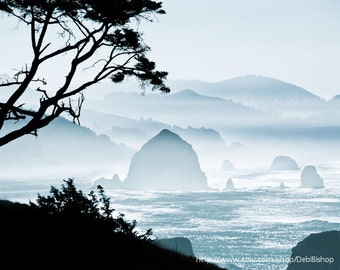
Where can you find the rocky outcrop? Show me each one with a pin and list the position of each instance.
(317, 251)
(114, 182)
(229, 185)
(284, 163)
(228, 166)
(310, 178)
(166, 162)
(180, 245)
(282, 185)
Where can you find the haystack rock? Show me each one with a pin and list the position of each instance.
(230, 185)
(114, 182)
(284, 163)
(317, 251)
(180, 245)
(166, 162)
(228, 166)
(310, 178)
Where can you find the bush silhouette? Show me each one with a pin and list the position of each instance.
(69, 229)
(71, 204)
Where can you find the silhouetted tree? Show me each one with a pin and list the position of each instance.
(69, 203)
(68, 229)
(101, 35)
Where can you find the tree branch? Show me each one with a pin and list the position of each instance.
(85, 28)
(33, 32)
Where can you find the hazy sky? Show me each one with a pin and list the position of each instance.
(297, 41)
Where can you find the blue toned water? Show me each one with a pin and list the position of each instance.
(253, 227)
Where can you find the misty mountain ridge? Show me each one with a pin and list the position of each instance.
(207, 142)
(336, 98)
(209, 123)
(263, 93)
(309, 123)
(181, 108)
(250, 86)
(334, 104)
(266, 94)
(60, 149)
(109, 124)
(188, 94)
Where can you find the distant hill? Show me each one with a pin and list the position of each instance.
(62, 149)
(267, 94)
(184, 108)
(264, 93)
(248, 86)
(121, 129)
(334, 104)
(126, 130)
(134, 133)
(335, 99)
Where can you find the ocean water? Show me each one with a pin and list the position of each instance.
(252, 227)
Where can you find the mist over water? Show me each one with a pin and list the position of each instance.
(253, 226)
(258, 222)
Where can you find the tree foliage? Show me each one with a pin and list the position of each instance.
(70, 230)
(68, 203)
(101, 37)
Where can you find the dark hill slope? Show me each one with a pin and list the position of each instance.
(32, 239)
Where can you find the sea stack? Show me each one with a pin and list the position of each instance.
(166, 162)
(229, 185)
(112, 183)
(310, 178)
(281, 163)
(228, 166)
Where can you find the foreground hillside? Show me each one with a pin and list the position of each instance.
(71, 230)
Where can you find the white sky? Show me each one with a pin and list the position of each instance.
(297, 41)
